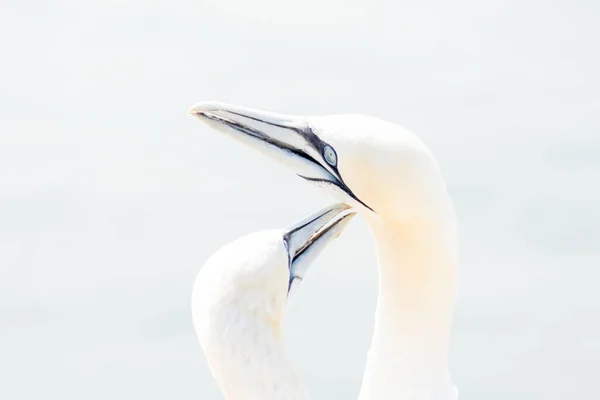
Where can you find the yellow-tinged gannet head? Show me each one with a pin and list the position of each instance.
(377, 167)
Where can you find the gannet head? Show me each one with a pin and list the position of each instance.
(249, 279)
(379, 168)
(238, 303)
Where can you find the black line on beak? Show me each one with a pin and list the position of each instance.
(306, 133)
(341, 185)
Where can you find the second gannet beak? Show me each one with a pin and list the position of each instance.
(307, 238)
(287, 139)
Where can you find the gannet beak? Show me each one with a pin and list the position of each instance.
(286, 138)
(308, 237)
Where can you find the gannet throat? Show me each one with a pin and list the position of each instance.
(238, 304)
(392, 179)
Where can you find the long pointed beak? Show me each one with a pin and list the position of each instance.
(287, 139)
(307, 238)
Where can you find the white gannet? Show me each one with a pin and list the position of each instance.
(238, 304)
(392, 179)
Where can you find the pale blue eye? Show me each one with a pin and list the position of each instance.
(330, 156)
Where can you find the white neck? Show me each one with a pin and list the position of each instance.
(248, 361)
(418, 270)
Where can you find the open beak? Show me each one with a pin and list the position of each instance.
(288, 139)
(307, 238)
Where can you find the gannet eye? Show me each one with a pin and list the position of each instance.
(330, 156)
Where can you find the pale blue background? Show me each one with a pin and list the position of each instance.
(111, 197)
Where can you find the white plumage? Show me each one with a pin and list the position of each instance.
(238, 305)
(392, 179)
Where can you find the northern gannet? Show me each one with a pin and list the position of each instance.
(392, 179)
(238, 303)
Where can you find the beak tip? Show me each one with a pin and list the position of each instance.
(197, 109)
(205, 107)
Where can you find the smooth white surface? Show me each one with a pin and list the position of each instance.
(111, 195)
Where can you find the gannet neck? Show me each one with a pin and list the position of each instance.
(248, 361)
(418, 271)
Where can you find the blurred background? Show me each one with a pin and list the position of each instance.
(112, 197)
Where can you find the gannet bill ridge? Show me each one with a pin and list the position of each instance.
(239, 299)
(392, 179)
